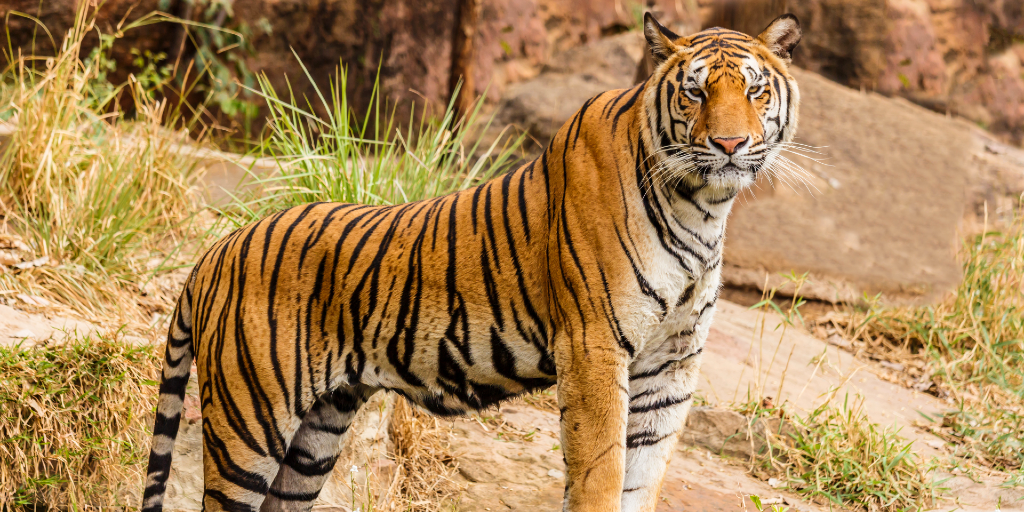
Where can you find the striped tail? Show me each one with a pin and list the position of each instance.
(177, 365)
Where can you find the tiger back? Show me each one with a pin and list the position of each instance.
(596, 267)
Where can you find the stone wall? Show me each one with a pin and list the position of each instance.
(408, 41)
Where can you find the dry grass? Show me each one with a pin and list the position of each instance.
(94, 195)
(543, 399)
(75, 423)
(421, 449)
(969, 348)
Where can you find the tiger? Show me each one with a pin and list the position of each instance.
(595, 266)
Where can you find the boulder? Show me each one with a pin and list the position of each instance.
(540, 105)
(881, 212)
(957, 56)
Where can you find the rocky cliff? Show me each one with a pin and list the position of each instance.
(964, 57)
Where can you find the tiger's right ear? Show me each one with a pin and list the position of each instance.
(659, 39)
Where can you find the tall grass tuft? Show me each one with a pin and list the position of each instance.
(92, 192)
(368, 159)
(75, 416)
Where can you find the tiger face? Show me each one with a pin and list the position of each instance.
(720, 104)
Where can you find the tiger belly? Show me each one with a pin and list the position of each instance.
(452, 381)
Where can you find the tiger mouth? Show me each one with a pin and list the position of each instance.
(729, 168)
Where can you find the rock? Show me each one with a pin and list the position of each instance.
(33, 300)
(38, 262)
(896, 367)
(9, 258)
(16, 325)
(891, 228)
(839, 341)
(726, 432)
(957, 56)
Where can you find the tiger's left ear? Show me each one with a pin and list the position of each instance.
(782, 36)
(659, 39)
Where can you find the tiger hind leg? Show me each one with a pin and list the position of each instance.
(314, 450)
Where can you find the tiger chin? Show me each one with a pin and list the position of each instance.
(595, 266)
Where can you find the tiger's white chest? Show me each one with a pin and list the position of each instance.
(684, 322)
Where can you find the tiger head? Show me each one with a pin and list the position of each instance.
(720, 105)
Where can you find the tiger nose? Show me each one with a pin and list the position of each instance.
(730, 145)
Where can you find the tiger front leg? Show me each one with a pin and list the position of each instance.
(660, 395)
(592, 399)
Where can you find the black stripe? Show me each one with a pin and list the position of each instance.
(295, 496)
(660, 403)
(645, 438)
(306, 464)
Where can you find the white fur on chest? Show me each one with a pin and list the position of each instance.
(691, 318)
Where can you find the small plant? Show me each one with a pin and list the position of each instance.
(837, 455)
(756, 500)
(226, 80)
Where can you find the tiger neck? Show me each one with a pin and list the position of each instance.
(692, 215)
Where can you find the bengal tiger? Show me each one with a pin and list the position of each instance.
(596, 267)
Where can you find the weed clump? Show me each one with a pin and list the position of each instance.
(91, 192)
(836, 455)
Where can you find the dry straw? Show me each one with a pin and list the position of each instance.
(94, 195)
(74, 422)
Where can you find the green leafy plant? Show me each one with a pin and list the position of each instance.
(756, 500)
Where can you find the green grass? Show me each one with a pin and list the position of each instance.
(835, 455)
(369, 159)
(75, 421)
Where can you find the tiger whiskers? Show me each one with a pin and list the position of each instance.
(669, 172)
(788, 172)
(670, 169)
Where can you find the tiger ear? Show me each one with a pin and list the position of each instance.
(659, 39)
(782, 36)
